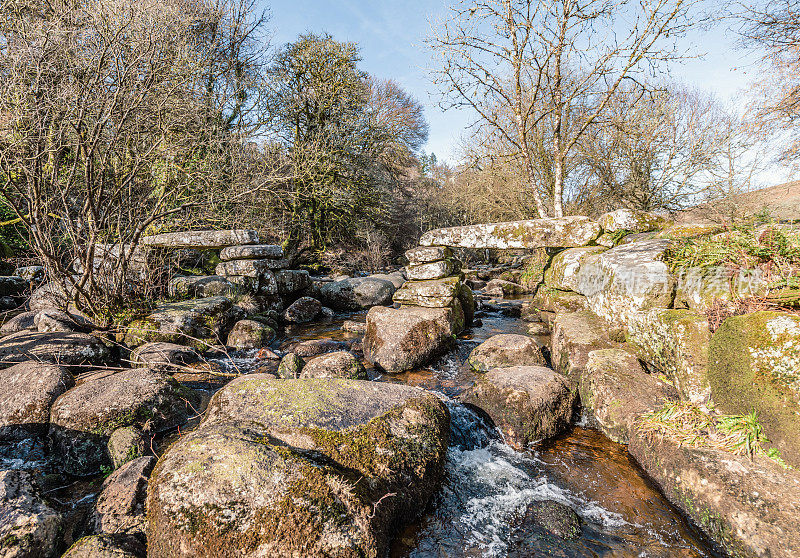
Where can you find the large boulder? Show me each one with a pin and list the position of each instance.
(627, 279)
(29, 390)
(575, 335)
(428, 254)
(201, 240)
(438, 293)
(755, 366)
(251, 252)
(504, 350)
(356, 293)
(250, 334)
(675, 342)
(50, 295)
(298, 468)
(565, 232)
(702, 289)
(83, 418)
(120, 506)
(29, 528)
(290, 281)
(107, 546)
(65, 348)
(406, 338)
(11, 285)
(616, 390)
(632, 220)
(249, 268)
(432, 270)
(502, 288)
(24, 321)
(199, 286)
(563, 272)
(303, 310)
(164, 355)
(527, 403)
(555, 300)
(198, 323)
(340, 364)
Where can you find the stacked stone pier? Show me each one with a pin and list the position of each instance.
(435, 305)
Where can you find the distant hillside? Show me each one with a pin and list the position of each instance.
(782, 202)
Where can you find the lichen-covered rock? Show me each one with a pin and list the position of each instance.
(265, 284)
(676, 342)
(29, 390)
(356, 293)
(466, 298)
(358, 328)
(616, 390)
(107, 546)
(126, 444)
(554, 300)
(395, 278)
(29, 527)
(437, 293)
(564, 267)
(341, 364)
(55, 320)
(432, 270)
(50, 295)
(690, 230)
(632, 220)
(120, 506)
(575, 335)
(250, 334)
(298, 468)
(701, 289)
(290, 366)
(290, 281)
(303, 310)
(67, 349)
(21, 322)
(527, 403)
(315, 347)
(428, 254)
(197, 323)
(504, 350)
(606, 240)
(556, 518)
(627, 279)
(164, 355)
(208, 240)
(502, 288)
(565, 232)
(406, 338)
(249, 268)
(749, 506)
(199, 286)
(83, 418)
(251, 252)
(754, 365)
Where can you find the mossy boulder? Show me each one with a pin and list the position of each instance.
(676, 342)
(356, 293)
(64, 348)
(120, 506)
(290, 366)
(83, 419)
(303, 310)
(191, 286)
(502, 288)
(632, 220)
(306, 467)
(527, 403)
(107, 546)
(564, 232)
(29, 390)
(575, 335)
(563, 271)
(409, 337)
(340, 364)
(504, 350)
(250, 334)
(755, 366)
(428, 254)
(29, 527)
(616, 390)
(438, 293)
(555, 300)
(702, 288)
(166, 355)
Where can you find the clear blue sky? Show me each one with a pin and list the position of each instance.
(391, 38)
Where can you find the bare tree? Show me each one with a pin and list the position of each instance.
(554, 67)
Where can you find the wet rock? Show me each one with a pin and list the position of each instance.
(341, 364)
(303, 310)
(198, 323)
(29, 527)
(563, 272)
(126, 444)
(432, 270)
(291, 281)
(504, 350)
(406, 338)
(20, 322)
(29, 390)
(315, 347)
(616, 390)
(120, 506)
(202, 240)
(675, 342)
(251, 252)
(249, 268)
(82, 419)
(527, 403)
(107, 546)
(564, 232)
(632, 220)
(359, 328)
(357, 293)
(163, 354)
(250, 334)
(554, 517)
(290, 366)
(754, 365)
(501, 288)
(626, 279)
(67, 349)
(300, 468)
(428, 254)
(200, 286)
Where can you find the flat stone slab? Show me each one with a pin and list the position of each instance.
(564, 232)
(250, 268)
(201, 240)
(68, 349)
(251, 252)
(428, 254)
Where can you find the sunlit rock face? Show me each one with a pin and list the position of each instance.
(565, 232)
